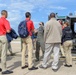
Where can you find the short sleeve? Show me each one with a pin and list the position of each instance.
(7, 25)
(32, 25)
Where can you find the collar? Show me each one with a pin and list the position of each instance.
(3, 17)
(53, 18)
(27, 18)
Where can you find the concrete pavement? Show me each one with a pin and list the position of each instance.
(14, 63)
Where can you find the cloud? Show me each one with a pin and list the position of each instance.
(22, 6)
(36, 24)
(17, 8)
(14, 15)
(3, 5)
(58, 7)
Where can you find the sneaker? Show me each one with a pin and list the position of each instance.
(24, 66)
(62, 57)
(70, 65)
(54, 68)
(42, 67)
(33, 68)
(67, 65)
(7, 72)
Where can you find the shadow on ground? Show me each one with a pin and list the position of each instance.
(15, 65)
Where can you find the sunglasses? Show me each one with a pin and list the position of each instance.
(40, 24)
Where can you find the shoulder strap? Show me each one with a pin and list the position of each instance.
(26, 22)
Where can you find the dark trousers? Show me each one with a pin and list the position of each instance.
(38, 45)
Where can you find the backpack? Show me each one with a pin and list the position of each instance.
(22, 29)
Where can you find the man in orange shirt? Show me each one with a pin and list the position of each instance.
(4, 28)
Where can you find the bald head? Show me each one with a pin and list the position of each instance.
(52, 15)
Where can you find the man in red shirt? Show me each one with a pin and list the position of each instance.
(28, 42)
(4, 28)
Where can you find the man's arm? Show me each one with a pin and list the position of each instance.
(35, 31)
(63, 36)
(7, 26)
(32, 27)
(46, 28)
(8, 31)
(60, 29)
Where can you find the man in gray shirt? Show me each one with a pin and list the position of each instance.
(40, 40)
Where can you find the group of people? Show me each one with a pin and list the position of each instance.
(49, 37)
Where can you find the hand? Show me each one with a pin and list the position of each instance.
(35, 30)
(8, 31)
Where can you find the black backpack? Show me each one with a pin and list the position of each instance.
(22, 29)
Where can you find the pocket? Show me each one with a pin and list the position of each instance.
(29, 40)
(4, 39)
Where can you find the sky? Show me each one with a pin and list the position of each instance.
(40, 9)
